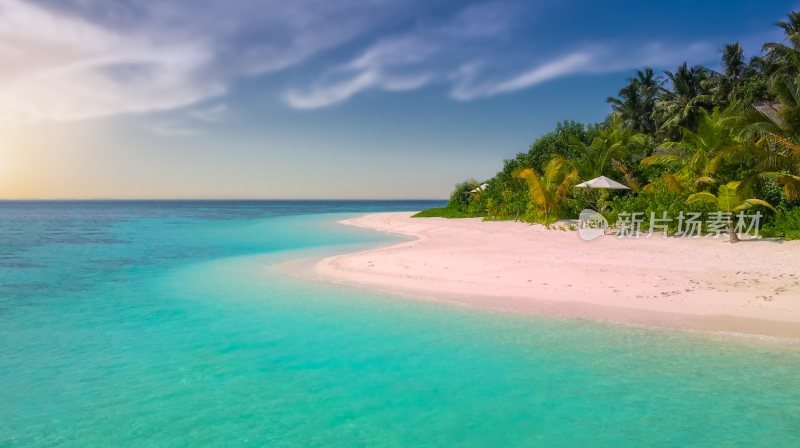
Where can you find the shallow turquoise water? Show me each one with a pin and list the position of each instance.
(162, 324)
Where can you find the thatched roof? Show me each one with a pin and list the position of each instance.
(770, 109)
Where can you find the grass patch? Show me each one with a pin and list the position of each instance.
(442, 212)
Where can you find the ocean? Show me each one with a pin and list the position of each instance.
(171, 324)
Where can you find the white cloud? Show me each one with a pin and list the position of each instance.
(57, 67)
(473, 56)
(321, 96)
(332, 93)
(406, 61)
(384, 65)
(465, 89)
(594, 59)
(81, 59)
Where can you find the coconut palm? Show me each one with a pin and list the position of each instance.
(733, 64)
(548, 190)
(783, 164)
(792, 26)
(786, 58)
(729, 199)
(734, 68)
(679, 105)
(775, 151)
(787, 92)
(636, 101)
(697, 155)
(615, 142)
(759, 65)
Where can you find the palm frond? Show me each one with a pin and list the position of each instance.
(791, 186)
(672, 183)
(704, 181)
(703, 196)
(661, 159)
(630, 179)
(753, 202)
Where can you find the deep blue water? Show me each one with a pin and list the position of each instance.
(138, 324)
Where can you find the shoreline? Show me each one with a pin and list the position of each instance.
(698, 285)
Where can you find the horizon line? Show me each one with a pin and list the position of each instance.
(213, 199)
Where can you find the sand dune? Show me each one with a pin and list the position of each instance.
(751, 286)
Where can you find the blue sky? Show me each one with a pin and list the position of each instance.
(320, 99)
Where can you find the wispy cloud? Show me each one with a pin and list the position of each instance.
(592, 59)
(393, 64)
(470, 55)
(409, 60)
(60, 67)
(80, 59)
(466, 88)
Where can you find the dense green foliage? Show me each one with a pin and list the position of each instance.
(786, 225)
(691, 134)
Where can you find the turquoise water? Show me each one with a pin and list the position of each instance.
(162, 324)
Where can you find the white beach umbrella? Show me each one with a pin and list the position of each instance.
(602, 182)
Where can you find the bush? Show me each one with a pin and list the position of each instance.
(505, 198)
(786, 225)
(557, 142)
(656, 200)
(460, 198)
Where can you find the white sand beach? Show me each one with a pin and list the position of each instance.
(710, 284)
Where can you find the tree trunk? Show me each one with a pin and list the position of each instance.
(732, 232)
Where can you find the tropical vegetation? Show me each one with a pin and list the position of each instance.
(730, 199)
(690, 139)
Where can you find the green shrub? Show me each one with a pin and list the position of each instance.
(785, 225)
(657, 200)
(460, 198)
(506, 198)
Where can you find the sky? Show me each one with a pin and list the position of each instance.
(302, 99)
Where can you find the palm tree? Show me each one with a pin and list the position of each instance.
(786, 57)
(689, 93)
(697, 155)
(792, 26)
(734, 69)
(733, 65)
(775, 152)
(787, 92)
(636, 101)
(759, 65)
(615, 142)
(782, 164)
(628, 104)
(729, 199)
(547, 191)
